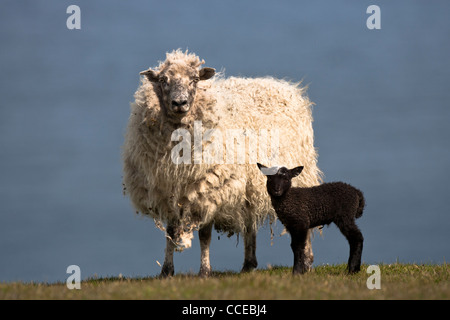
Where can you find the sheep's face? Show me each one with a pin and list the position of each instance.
(177, 85)
(279, 179)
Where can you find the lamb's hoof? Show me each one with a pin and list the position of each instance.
(167, 271)
(249, 266)
(204, 272)
(354, 270)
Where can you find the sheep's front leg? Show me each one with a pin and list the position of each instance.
(168, 269)
(308, 252)
(298, 244)
(204, 234)
(250, 261)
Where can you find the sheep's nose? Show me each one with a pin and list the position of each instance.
(179, 103)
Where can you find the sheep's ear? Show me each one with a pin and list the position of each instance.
(150, 74)
(206, 73)
(296, 171)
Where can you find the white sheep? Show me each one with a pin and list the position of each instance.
(187, 185)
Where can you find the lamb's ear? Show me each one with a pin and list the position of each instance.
(206, 73)
(261, 167)
(267, 171)
(296, 171)
(150, 74)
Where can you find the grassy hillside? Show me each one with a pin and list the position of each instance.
(398, 281)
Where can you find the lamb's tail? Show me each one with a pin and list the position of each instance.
(362, 204)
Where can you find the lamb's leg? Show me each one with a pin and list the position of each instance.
(168, 268)
(250, 261)
(298, 245)
(355, 240)
(204, 235)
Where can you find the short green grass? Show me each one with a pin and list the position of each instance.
(398, 281)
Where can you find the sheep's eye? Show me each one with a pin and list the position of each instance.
(197, 79)
(162, 80)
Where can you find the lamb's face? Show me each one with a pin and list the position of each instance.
(178, 86)
(279, 179)
(279, 183)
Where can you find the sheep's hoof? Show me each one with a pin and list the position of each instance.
(167, 271)
(298, 272)
(300, 269)
(308, 263)
(204, 272)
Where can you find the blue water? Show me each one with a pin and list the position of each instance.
(381, 123)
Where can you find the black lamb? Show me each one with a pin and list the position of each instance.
(300, 209)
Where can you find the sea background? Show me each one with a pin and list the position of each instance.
(381, 121)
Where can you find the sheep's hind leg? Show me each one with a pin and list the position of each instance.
(204, 235)
(168, 269)
(250, 261)
(298, 245)
(355, 240)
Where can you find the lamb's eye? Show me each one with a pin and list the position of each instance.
(196, 80)
(162, 80)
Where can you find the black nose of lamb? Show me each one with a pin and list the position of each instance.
(179, 103)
